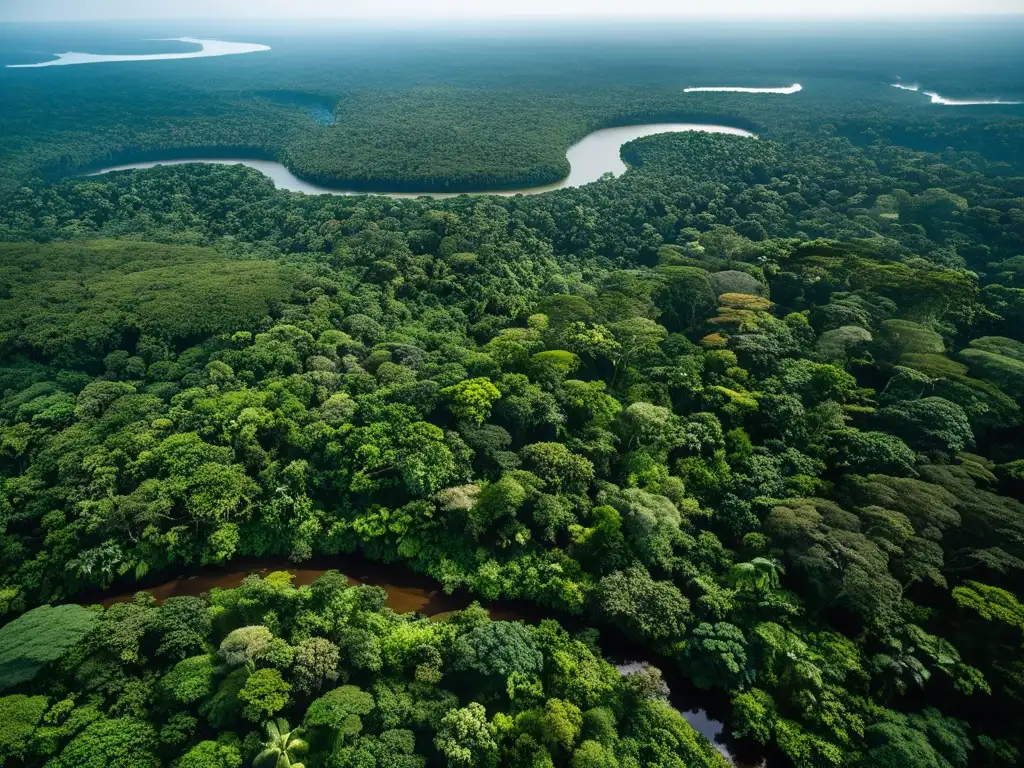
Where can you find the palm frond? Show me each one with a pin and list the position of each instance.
(266, 759)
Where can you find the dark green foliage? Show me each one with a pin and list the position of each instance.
(930, 423)
(720, 403)
(184, 625)
(90, 296)
(118, 743)
(641, 606)
(399, 719)
(191, 680)
(685, 296)
(927, 740)
(340, 709)
(498, 649)
(873, 452)
(38, 638)
(716, 656)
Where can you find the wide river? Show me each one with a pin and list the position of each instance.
(590, 159)
(206, 48)
(411, 592)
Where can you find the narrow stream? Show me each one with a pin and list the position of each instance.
(409, 592)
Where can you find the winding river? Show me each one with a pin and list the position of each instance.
(206, 48)
(409, 592)
(937, 98)
(589, 159)
(785, 90)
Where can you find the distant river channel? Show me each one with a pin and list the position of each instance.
(590, 159)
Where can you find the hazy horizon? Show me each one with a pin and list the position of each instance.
(410, 10)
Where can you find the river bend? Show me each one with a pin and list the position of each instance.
(595, 155)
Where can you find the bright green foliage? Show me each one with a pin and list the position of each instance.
(760, 575)
(191, 680)
(754, 710)
(264, 694)
(282, 747)
(340, 710)
(991, 603)
(40, 637)
(119, 743)
(671, 741)
(472, 399)
(413, 452)
(19, 716)
(560, 725)
(591, 754)
(465, 738)
(210, 754)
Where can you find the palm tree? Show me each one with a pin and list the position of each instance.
(282, 747)
(760, 574)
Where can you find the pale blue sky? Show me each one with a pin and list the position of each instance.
(75, 10)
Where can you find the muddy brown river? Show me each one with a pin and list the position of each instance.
(409, 592)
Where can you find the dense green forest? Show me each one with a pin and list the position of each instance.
(334, 678)
(457, 111)
(755, 406)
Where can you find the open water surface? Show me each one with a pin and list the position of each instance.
(595, 155)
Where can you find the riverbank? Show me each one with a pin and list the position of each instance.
(207, 48)
(591, 158)
(409, 592)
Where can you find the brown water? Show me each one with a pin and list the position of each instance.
(409, 592)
